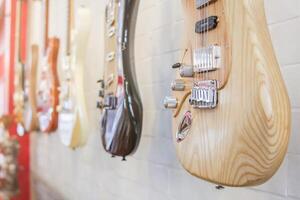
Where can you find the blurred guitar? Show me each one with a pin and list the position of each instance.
(47, 92)
(31, 71)
(232, 116)
(18, 97)
(120, 102)
(73, 123)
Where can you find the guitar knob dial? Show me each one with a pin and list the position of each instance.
(178, 85)
(186, 71)
(170, 102)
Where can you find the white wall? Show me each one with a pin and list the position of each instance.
(153, 173)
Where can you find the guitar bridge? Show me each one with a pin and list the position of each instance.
(203, 3)
(204, 94)
(207, 59)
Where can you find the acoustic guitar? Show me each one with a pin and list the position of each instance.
(231, 111)
(47, 91)
(120, 101)
(73, 122)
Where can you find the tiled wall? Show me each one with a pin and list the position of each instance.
(153, 173)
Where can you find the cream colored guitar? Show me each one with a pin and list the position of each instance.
(232, 114)
(73, 120)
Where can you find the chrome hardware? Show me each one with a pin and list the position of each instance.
(207, 24)
(184, 127)
(170, 102)
(110, 102)
(204, 94)
(186, 71)
(110, 12)
(110, 80)
(111, 31)
(178, 85)
(110, 56)
(207, 59)
(203, 3)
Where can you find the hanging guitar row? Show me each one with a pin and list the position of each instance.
(231, 112)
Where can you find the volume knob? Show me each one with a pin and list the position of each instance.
(186, 71)
(178, 85)
(170, 102)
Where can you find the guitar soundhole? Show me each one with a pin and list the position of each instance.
(184, 127)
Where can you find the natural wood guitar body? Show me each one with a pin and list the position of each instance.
(243, 141)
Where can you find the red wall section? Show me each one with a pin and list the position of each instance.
(24, 155)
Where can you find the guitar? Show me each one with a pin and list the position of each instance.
(120, 101)
(47, 91)
(18, 96)
(231, 111)
(73, 120)
(30, 103)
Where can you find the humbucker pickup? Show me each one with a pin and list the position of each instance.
(207, 24)
(203, 3)
(204, 94)
(207, 59)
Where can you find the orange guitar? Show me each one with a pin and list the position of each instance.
(47, 92)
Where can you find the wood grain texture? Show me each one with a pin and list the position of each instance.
(244, 140)
(30, 104)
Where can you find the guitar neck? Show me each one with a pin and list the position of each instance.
(46, 33)
(70, 21)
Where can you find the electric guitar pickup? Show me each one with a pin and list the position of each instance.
(120, 102)
(231, 111)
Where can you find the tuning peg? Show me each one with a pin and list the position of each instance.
(170, 102)
(176, 65)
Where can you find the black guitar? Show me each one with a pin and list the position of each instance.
(120, 102)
